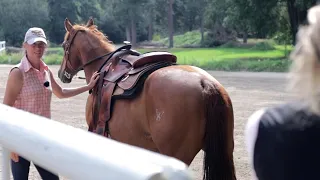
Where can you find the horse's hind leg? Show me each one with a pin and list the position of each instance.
(183, 146)
(176, 118)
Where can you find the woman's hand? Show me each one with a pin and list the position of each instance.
(14, 157)
(94, 79)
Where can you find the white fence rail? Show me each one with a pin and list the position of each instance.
(77, 154)
(2, 46)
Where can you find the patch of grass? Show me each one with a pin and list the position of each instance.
(270, 65)
(227, 59)
(255, 40)
(53, 59)
(52, 56)
(10, 59)
(188, 39)
(263, 46)
(205, 55)
(55, 50)
(233, 59)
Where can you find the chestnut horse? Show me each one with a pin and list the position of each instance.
(180, 109)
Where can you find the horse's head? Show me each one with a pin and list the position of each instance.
(83, 47)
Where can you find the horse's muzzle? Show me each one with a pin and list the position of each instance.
(64, 76)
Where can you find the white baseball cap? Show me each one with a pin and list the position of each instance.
(35, 34)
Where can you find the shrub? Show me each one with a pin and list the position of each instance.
(266, 45)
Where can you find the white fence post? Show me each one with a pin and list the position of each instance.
(2, 46)
(78, 154)
(5, 164)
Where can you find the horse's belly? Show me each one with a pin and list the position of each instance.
(128, 124)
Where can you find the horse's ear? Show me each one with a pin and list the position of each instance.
(90, 22)
(67, 25)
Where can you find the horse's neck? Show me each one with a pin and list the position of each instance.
(94, 66)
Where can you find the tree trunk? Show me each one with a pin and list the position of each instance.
(292, 10)
(150, 30)
(202, 28)
(133, 32)
(191, 22)
(170, 23)
(201, 12)
(245, 37)
(297, 17)
(128, 33)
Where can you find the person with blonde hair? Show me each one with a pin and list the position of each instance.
(29, 87)
(282, 141)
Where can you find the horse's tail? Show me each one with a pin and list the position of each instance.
(218, 140)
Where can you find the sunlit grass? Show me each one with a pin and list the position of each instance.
(207, 58)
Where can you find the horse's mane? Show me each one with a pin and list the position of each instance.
(95, 32)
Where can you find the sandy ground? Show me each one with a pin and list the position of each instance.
(249, 92)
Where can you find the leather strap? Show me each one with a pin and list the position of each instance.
(105, 108)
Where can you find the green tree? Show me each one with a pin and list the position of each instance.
(59, 10)
(17, 16)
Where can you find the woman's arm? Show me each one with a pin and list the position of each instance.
(69, 92)
(13, 87)
(251, 133)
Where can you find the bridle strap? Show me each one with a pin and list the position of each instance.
(91, 61)
(67, 45)
(121, 50)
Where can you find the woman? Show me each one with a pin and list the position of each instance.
(283, 141)
(29, 87)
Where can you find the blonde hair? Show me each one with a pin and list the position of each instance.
(304, 73)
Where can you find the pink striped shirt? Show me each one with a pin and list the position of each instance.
(34, 97)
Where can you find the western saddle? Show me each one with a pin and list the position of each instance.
(122, 76)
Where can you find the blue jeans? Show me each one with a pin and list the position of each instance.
(20, 171)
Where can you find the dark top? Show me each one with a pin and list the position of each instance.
(284, 143)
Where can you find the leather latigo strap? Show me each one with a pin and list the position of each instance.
(105, 107)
